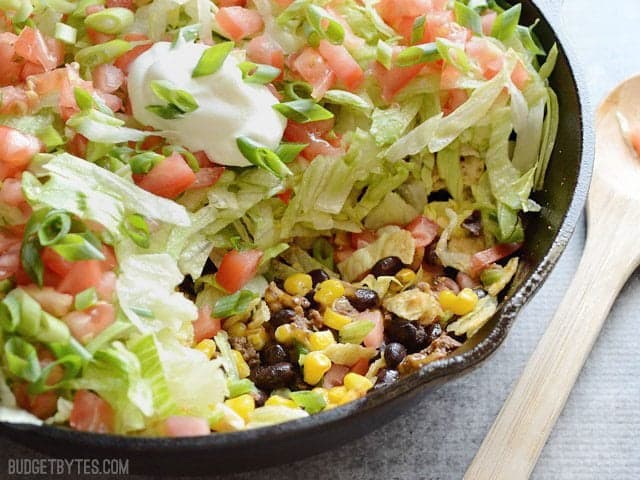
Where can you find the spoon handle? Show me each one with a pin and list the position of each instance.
(512, 446)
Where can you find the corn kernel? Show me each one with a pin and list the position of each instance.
(241, 365)
(258, 339)
(298, 284)
(447, 299)
(357, 383)
(321, 340)
(237, 330)
(467, 301)
(278, 401)
(351, 396)
(242, 405)
(336, 394)
(208, 347)
(322, 391)
(328, 291)
(301, 336)
(316, 364)
(284, 334)
(335, 320)
(406, 276)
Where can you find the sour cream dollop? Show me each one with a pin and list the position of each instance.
(228, 107)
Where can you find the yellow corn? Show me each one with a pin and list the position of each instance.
(316, 364)
(328, 291)
(208, 347)
(237, 330)
(298, 284)
(321, 340)
(341, 395)
(301, 336)
(322, 391)
(357, 383)
(258, 339)
(406, 276)
(241, 365)
(335, 320)
(242, 405)
(278, 401)
(460, 304)
(284, 334)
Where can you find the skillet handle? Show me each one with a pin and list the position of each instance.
(512, 447)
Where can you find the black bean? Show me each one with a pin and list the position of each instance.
(363, 299)
(394, 353)
(273, 354)
(386, 377)
(412, 336)
(309, 296)
(259, 397)
(275, 376)
(473, 223)
(318, 276)
(285, 315)
(387, 266)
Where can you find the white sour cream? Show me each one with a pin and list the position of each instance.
(228, 107)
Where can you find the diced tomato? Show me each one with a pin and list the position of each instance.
(112, 101)
(309, 133)
(488, 56)
(14, 100)
(376, 336)
(481, 260)
(284, 3)
(169, 178)
(124, 60)
(184, 426)
(207, 176)
(393, 80)
(8, 241)
(488, 20)
(262, 49)
(335, 376)
(82, 275)
(392, 11)
(107, 78)
(9, 69)
(423, 230)
(42, 405)
(452, 99)
(90, 413)
(120, 3)
(360, 367)
(54, 261)
(520, 76)
(634, 138)
(56, 374)
(285, 196)
(106, 286)
(11, 192)
(239, 22)
(32, 46)
(362, 239)
(465, 281)
(67, 100)
(87, 324)
(347, 70)
(352, 42)
(449, 77)
(314, 69)
(237, 268)
(205, 326)
(51, 301)
(16, 151)
(10, 262)
(231, 3)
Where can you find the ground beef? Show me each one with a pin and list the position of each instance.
(245, 347)
(278, 299)
(439, 348)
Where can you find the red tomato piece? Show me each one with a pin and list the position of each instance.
(82, 275)
(11, 192)
(90, 413)
(488, 19)
(98, 38)
(205, 326)
(393, 80)
(314, 69)
(423, 230)
(488, 56)
(481, 260)
(9, 69)
(237, 268)
(262, 49)
(42, 405)
(207, 176)
(184, 426)
(520, 76)
(124, 60)
(239, 22)
(87, 324)
(106, 286)
(347, 70)
(285, 196)
(51, 301)
(120, 3)
(10, 262)
(452, 99)
(335, 376)
(360, 367)
(375, 337)
(54, 261)
(16, 151)
(169, 178)
(107, 78)
(362, 239)
(32, 46)
(308, 133)
(231, 3)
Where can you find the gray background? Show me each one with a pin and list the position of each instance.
(597, 434)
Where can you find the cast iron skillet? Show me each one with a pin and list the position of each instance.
(547, 235)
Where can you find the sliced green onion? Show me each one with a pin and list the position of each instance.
(71, 366)
(76, 246)
(355, 332)
(84, 99)
(322, 251)
(262, 157)
(312, 402)
(168, 112)
(65, 33)
(137, 229)
(110, 20)
(426, 52)
(324, 24)
(258, 73)
(506, 23)
(288, 152)
(297, 90)
(31, 261)
(54, 227)
(417, 30)
(181, 99)
(342, 97)
(529, 39)
(143, 162)
(191, 160)
(142, 311)
(90, 57)
(303, 111)
(85, 299)
(468, 17)
(454, 54)
(212, 59)
(384, 54)
(550, 63)
(81, 7)
(240, 387)
(190, 33)
(234, 304)
(22, 359)
(50, 137)
(61, 6)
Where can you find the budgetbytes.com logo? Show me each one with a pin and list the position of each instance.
(69, 466)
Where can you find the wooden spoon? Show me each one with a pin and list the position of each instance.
(612, 252)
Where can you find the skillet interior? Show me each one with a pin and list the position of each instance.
(547, 235)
